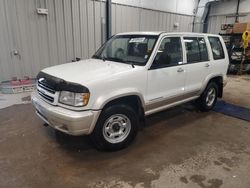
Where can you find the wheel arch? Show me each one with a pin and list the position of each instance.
(132, 99)
(218, 79)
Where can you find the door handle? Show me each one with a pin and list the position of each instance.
(207, 65)
(180, 70)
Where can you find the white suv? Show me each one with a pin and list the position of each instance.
(131, 76)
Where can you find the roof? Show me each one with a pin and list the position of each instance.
(164, 32)
(142, 33)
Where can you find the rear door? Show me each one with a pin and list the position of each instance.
(198, 63)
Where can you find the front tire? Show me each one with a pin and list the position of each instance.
(116, 128)
(208, 98)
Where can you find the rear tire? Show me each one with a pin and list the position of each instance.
(116, 128)
(208, 98)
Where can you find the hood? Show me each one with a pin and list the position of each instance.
(86, 71)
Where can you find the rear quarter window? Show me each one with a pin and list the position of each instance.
(216, 47)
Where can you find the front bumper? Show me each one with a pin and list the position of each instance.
(67, 121)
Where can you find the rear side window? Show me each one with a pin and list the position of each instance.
(217, 49)
(196, 49)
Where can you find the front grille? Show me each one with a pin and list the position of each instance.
(46, 91)
(46, 86)
(47, 97)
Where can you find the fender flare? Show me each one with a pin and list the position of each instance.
(101, 101)
(207, 80)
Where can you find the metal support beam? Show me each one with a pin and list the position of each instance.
(237, 12)
(201, 14)
(108, 18)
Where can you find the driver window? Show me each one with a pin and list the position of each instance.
(169, 53)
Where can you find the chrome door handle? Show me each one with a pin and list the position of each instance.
(180, 70)
(207, 65)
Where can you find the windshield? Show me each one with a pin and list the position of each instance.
(135, 49)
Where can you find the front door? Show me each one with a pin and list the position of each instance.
(166, 77)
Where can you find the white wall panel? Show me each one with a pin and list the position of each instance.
(13, 38)
(97, 22)
(60, 32)
(174, 6)
(84, 39)
(68, 29)
(148, 20)
(5, 44)
(76, 28)
(229, 7)
(52, 33)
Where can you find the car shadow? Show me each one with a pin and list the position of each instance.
(73, 143)
(170, 113)
(165, 118)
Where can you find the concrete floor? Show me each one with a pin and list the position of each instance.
(179, 147)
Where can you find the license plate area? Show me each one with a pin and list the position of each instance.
(43, 116)
(40, 110)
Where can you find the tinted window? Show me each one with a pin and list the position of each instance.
(216, 46)
(192, 49)
(203, 49)
(169, 53)
(196, 49)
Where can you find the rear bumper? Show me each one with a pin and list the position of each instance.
(67, 121)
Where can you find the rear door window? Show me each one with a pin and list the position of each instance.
(203, 49)
(216, 47)
(196, 49)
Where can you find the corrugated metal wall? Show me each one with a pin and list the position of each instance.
(215, 21)
(73, 28)
(127, 18)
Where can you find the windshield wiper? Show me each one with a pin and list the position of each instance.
(114, 59)
(96, 57)
(133, 63)
(103, 58)
(99, 57)
(124, 61)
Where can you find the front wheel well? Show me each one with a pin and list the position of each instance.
(133, 101)
(219, 81)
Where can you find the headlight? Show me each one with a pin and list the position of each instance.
(74, 99)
